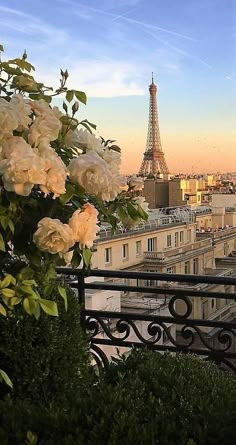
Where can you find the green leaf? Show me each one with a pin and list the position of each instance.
(49, 307)
(3, 310)
(6, 281)
(11, 226)
(25, 289)
(51, 272)
(69, 95)
(142, 213)
(2, 244)
(76, 259)
(122, 214)
(87, 255)
(47, 289)
(28, 306)
(32, 438)
(86, 126)
(79, 190)
(132, 211)
(89, 123)
(15, 300)
(36, 312)
(70, 190)
(8, 293)
(29, 283)
(4, 220)
(4, 377)
(1, 48)
(26, 273)
(62, 292)
(81, 96)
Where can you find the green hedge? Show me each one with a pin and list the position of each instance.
(147, 399)
(45, 359)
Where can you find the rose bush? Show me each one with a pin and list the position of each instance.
(58, 182)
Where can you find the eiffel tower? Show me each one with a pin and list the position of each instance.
(154, 162)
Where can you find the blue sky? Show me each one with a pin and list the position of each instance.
(110, 48)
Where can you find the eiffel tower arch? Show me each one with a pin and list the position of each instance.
(154, 162)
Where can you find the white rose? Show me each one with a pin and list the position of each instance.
(9, 118)
(57, 113)
(84, 225)
(55, 180)
(67, 257)
(84, 140)
(53, 236)
(21, 168)
(94, 175)
(40, 107)
(23, 108)
(140, 200)
(136, 183)
(56, 171)
(14, 145)
(46, 126)
(113, 159)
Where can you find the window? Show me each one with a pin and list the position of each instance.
(187, 267)
(152, 244)
(181, 237)
(176, 239)
(170, 269)
(108, 255)
(188, 235)
(168, 240)
(195, 266)
(125, 248)
(138, 248)
(165, 221)
(225, 249)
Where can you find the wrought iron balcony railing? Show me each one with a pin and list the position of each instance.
(198, 318)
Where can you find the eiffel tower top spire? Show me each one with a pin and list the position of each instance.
(154, 161)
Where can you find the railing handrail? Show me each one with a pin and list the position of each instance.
(181, 278)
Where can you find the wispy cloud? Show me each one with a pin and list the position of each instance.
(109, 79)
(158, 28)
(179, 50)
(230, 76)
(116, 17)
(9, 20)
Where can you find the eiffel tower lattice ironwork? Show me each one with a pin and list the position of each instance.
(154, 162)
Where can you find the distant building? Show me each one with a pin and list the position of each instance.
(160, 193)
(174, 240)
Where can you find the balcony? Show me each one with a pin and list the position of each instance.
(179, 327)
(217, 235)
(170, 253)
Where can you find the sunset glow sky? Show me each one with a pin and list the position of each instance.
(110, 48)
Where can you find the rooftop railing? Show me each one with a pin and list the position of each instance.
(219, 234)
(191, 321)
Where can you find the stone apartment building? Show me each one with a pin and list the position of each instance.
(178, 241)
